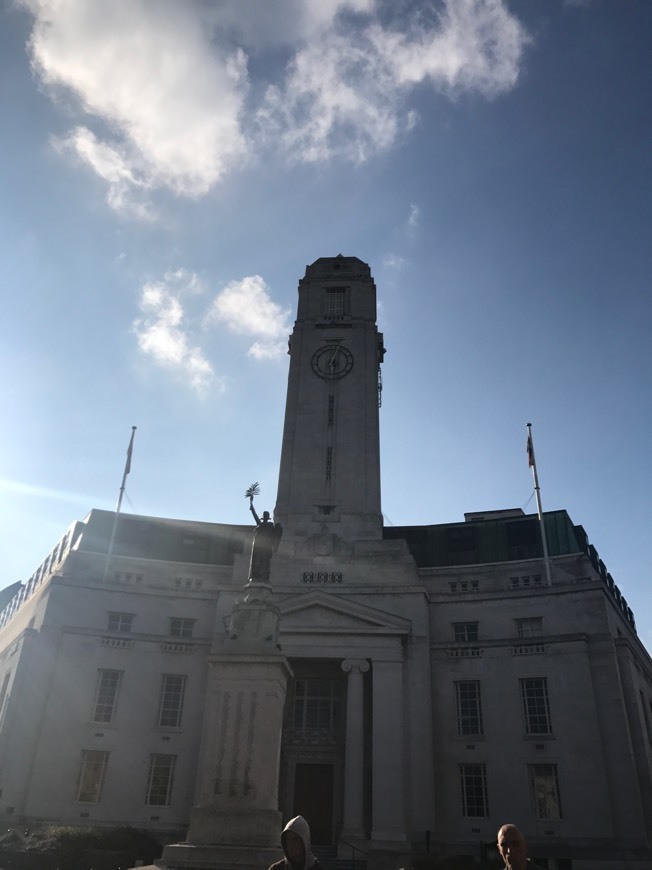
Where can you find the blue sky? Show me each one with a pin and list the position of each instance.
(168, 170)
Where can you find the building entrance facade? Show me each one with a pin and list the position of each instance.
(312, 756)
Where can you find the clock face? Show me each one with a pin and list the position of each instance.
(332, 361)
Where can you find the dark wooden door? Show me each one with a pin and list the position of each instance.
(313, 799)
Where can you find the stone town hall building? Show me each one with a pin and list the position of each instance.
(428, 683)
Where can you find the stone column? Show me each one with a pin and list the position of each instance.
(353, 767)
(388, 757)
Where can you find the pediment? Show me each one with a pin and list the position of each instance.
(329, 614)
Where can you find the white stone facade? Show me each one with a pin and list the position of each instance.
(432, 692)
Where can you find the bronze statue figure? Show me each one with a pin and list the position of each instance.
(266, 540)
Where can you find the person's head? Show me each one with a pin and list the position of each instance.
(294, 849)
(265, 516)
(512, 847)
(295, 840)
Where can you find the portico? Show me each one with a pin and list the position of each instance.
(367, 647)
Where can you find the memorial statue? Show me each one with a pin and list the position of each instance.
(266, 540)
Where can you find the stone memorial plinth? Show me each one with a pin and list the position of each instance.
(236, 822)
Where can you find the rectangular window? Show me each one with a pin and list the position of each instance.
(3, 690)
(331, 410)
(335, 302)
(536, 708)
(523, 539)
(473, 780)
(91, 775)
(108, 683)
(120, 622)
(544, 791)
(3, 693)
(170, 710)
(181, 627)
(317, 704)
(648, 726)
(465, 632)
(461, 545)
(160, 779)
(329, 462)
(530, 627)
(469, 707)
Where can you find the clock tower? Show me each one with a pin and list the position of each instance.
(329, 477)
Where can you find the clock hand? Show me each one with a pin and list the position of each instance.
(331, 364)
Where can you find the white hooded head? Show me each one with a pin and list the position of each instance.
(298, 827)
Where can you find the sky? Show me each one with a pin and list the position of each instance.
(168, 168)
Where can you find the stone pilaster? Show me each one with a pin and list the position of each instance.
(388, 763)
(353, 767)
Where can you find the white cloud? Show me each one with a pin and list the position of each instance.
(414, 216)
(338, 99)
(163, 98)
(282, 22)
(164, 331)
(162, 335)
(247, 308)
(476, 45)
(346, 94)
(393, 261)
(152, 72)
(113, 167)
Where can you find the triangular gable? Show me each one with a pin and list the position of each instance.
(326, 613)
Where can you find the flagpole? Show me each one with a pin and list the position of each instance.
(537, 491)
(109, 551)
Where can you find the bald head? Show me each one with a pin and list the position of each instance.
(512, 847)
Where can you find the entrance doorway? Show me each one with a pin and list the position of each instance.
(313, 799)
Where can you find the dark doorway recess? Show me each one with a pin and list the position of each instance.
(313, 799)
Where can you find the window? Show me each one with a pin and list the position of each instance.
(3, 692)
(469, 708)
(318, 704)
(181, 627)
(196, 547)
(120, 622)
(465, 632)
(648, 727)
(108, 683)
(329, 462)
(473, 780)
(331, 410)
(536, 709)
(160, 779)
(173, 688)
(523, 539)
(91, 775)
(530, 627)
(544, 791)
(335, 302)
(127, 577)
(461, 545)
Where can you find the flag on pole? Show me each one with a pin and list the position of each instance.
(530, 451)
(130, 450)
